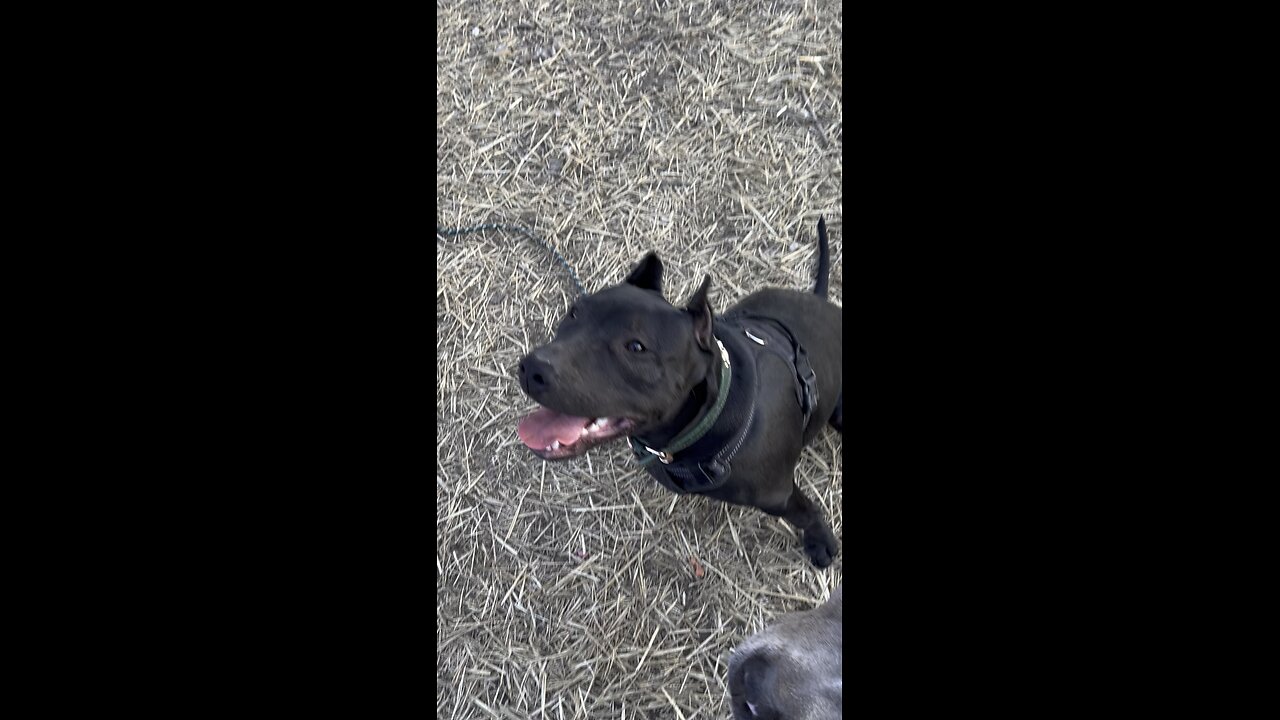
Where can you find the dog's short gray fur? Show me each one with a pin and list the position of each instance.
(791, 669)
(586, 370)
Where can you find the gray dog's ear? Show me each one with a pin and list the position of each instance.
(648, 274)
(700, 309)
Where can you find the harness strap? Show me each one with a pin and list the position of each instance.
(806, 381)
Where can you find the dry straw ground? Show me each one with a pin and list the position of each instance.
(712, 133)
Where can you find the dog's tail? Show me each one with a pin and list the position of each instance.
(824, 259)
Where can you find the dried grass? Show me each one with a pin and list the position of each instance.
(712, 133)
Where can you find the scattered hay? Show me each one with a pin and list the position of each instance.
(710, 132)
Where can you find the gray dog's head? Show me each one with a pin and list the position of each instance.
(791, 669)
(622, 361)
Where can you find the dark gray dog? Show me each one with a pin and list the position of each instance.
(792, 669)
(720, 406)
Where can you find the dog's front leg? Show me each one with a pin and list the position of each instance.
(819, 542)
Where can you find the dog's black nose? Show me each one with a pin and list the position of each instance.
(752, 688)
(535, 375)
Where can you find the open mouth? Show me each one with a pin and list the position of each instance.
(555, 436)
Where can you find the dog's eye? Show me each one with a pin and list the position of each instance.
(635, 346)
(573, 313)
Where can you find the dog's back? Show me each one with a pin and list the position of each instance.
(816, 324)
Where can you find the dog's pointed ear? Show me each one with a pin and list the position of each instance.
(700, 309)
(648, 274)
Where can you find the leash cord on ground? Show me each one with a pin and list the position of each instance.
(454, 232)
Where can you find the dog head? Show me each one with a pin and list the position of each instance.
(792, 669)
(623, 360)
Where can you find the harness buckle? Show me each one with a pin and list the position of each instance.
(809, 393)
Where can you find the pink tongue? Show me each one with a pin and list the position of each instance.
(545, 426)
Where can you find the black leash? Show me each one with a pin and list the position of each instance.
(454, 232)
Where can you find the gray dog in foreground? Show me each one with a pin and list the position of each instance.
(719, 406)
(792, 669)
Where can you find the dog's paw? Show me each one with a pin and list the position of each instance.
(820, 547)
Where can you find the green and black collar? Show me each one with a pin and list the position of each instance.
(693, 434)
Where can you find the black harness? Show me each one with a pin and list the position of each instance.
(706, 464)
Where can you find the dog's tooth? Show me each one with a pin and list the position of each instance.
(555, 444)
(584, 432)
